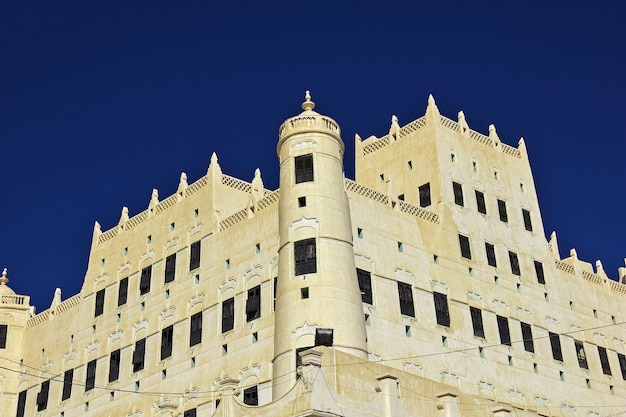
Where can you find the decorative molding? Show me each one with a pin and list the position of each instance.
(486, 390)
(304, 222)
(101, 279)
(552, 322)
(305, 329)
(449, 378)
(146, 256)
(167, 313)
(256, 270)
(196, 299)
(414, 368)
(70, 356)
(472, 296)
(500, 304)
(196, 229)
(171, 243)
(230, 283)
(93, 346)
(404, 276)
(125, 267)
(523, 312)
(116, 335)
(439, 285)
(373, 357)
(252, 370)
(47, 367)
(305, 145)
(142, 324)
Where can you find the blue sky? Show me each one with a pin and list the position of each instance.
(102, 101)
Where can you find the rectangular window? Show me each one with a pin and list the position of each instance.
(251, 396)
(99, 303)
(122, 293)
(514, 263)
(195, 329)
(503, 328)
(68, 376)
(604, 360)
(304, 168)
(441, 309)
(622, 364)
(228, 314)
(580, 353)
(465, 247)
(167, 338)
(527, 337)
(365, 285)
(114, 365)
(194, 257)
(458, 193)
(4, 329)
(405, 293)
(424, 195)
(480, 202)
(502, 211)
(190, 413)
(21, 403)
(491, 254)
(539, 271)
(555, 342)
(139, 355)
(42, 396)
(305, 257)
(170, 268)
(90, 380)
(144, 282)
(528, 224)
(253, 303)
(477, 321)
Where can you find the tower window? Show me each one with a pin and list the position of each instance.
(304, 168)
(528, 224)
(21, 403)
(365, 285)
(424, 195)
(99, 303)
(301, 201)
(190, 413)
(458, 193)
(114, 365)
(527, 336)
(477, 321)
(42, 396)
(67, 384)
(170, 268)
(441, 309)
(305, 258)
(228, 314)
(275, 287)
(539, 271)
(144, 282)
(251, 396)
(4, 329)
(480, 202)
(503, 328)
(194, 258)
(465, 247)
(167, 337)
(491, 254)
(195, 329)
(139, 355)
(604, 360)
(90, 380)
(622, 364)
(122, 293)
(253, 303)
(405, 294)
(514, 263)
(504, 217)
(555, 342)
(580, 354)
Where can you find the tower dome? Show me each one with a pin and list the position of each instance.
(4, 288)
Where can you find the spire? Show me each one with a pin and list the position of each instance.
(432, 112)
(521, 145)
(4, 279)
(493, 135)
(308, 104)
(97, 231)
(182, 184)
(463, 123)
(554, 246)
(394, 130)
(154, 200)
(123, 216)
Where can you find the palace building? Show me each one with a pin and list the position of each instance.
(424, 287)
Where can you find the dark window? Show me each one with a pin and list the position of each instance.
(477, 321)
(424, 195)
(251, 396)
(122, 294)
(491, 254)
(441, 309)
(528, 224)
(170, 268)
(253, 303)
(114, 365)
(539, 271)
(304, 254)
(622, 364)
(167, 338)
(502, 210)
(4, 329)
(194, 257)
(405, 293)
(514, 263)
(195, 329)
(304, 168)
(604, 360)
(228, 314)
(99, 303)
(42, 396)
(480, 202)
(458, 193)
(144, 282)
(365, 285)
(465, 247)
(527, 337)
(90, 380)
(21, 403)
(139, 354)
(503, 328)
(275, 286)
(190, 413)
(555, 342)
(580, 354)
(68, 376)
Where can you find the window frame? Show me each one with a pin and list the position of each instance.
(228, 314)
(305, 259)
(90, 375)
(4, 335)
(504, 330)
(555, 344)
(604, 360)
(253, 303)
(457, 189)
(442, 310)
(114, 365)
(304, 170)
(464, 243)
(405, 297)
(195, 250)
(251, 395)
(167, 341)
(514, 261)
(68, 377)
(481, 206)
(42, 395)
(99, 302)
(528, 223)
(170, 268)
(122, 292)
(195, 329)
(145, 280)
(477, 322)
(490, 250)
(424, 196)
(579, 346)
(527, 337)
(502, 212)
(539, 272)
(139, 355)
(365, 285)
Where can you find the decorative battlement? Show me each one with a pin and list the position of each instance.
(308, 121)
(49, 313)
(18, 300)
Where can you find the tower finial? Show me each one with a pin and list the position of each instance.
(308, 104)
(4, 279)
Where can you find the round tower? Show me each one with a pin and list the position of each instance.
(318, 300)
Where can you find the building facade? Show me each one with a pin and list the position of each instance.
(424, 287)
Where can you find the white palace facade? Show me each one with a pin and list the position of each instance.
(424, 287)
